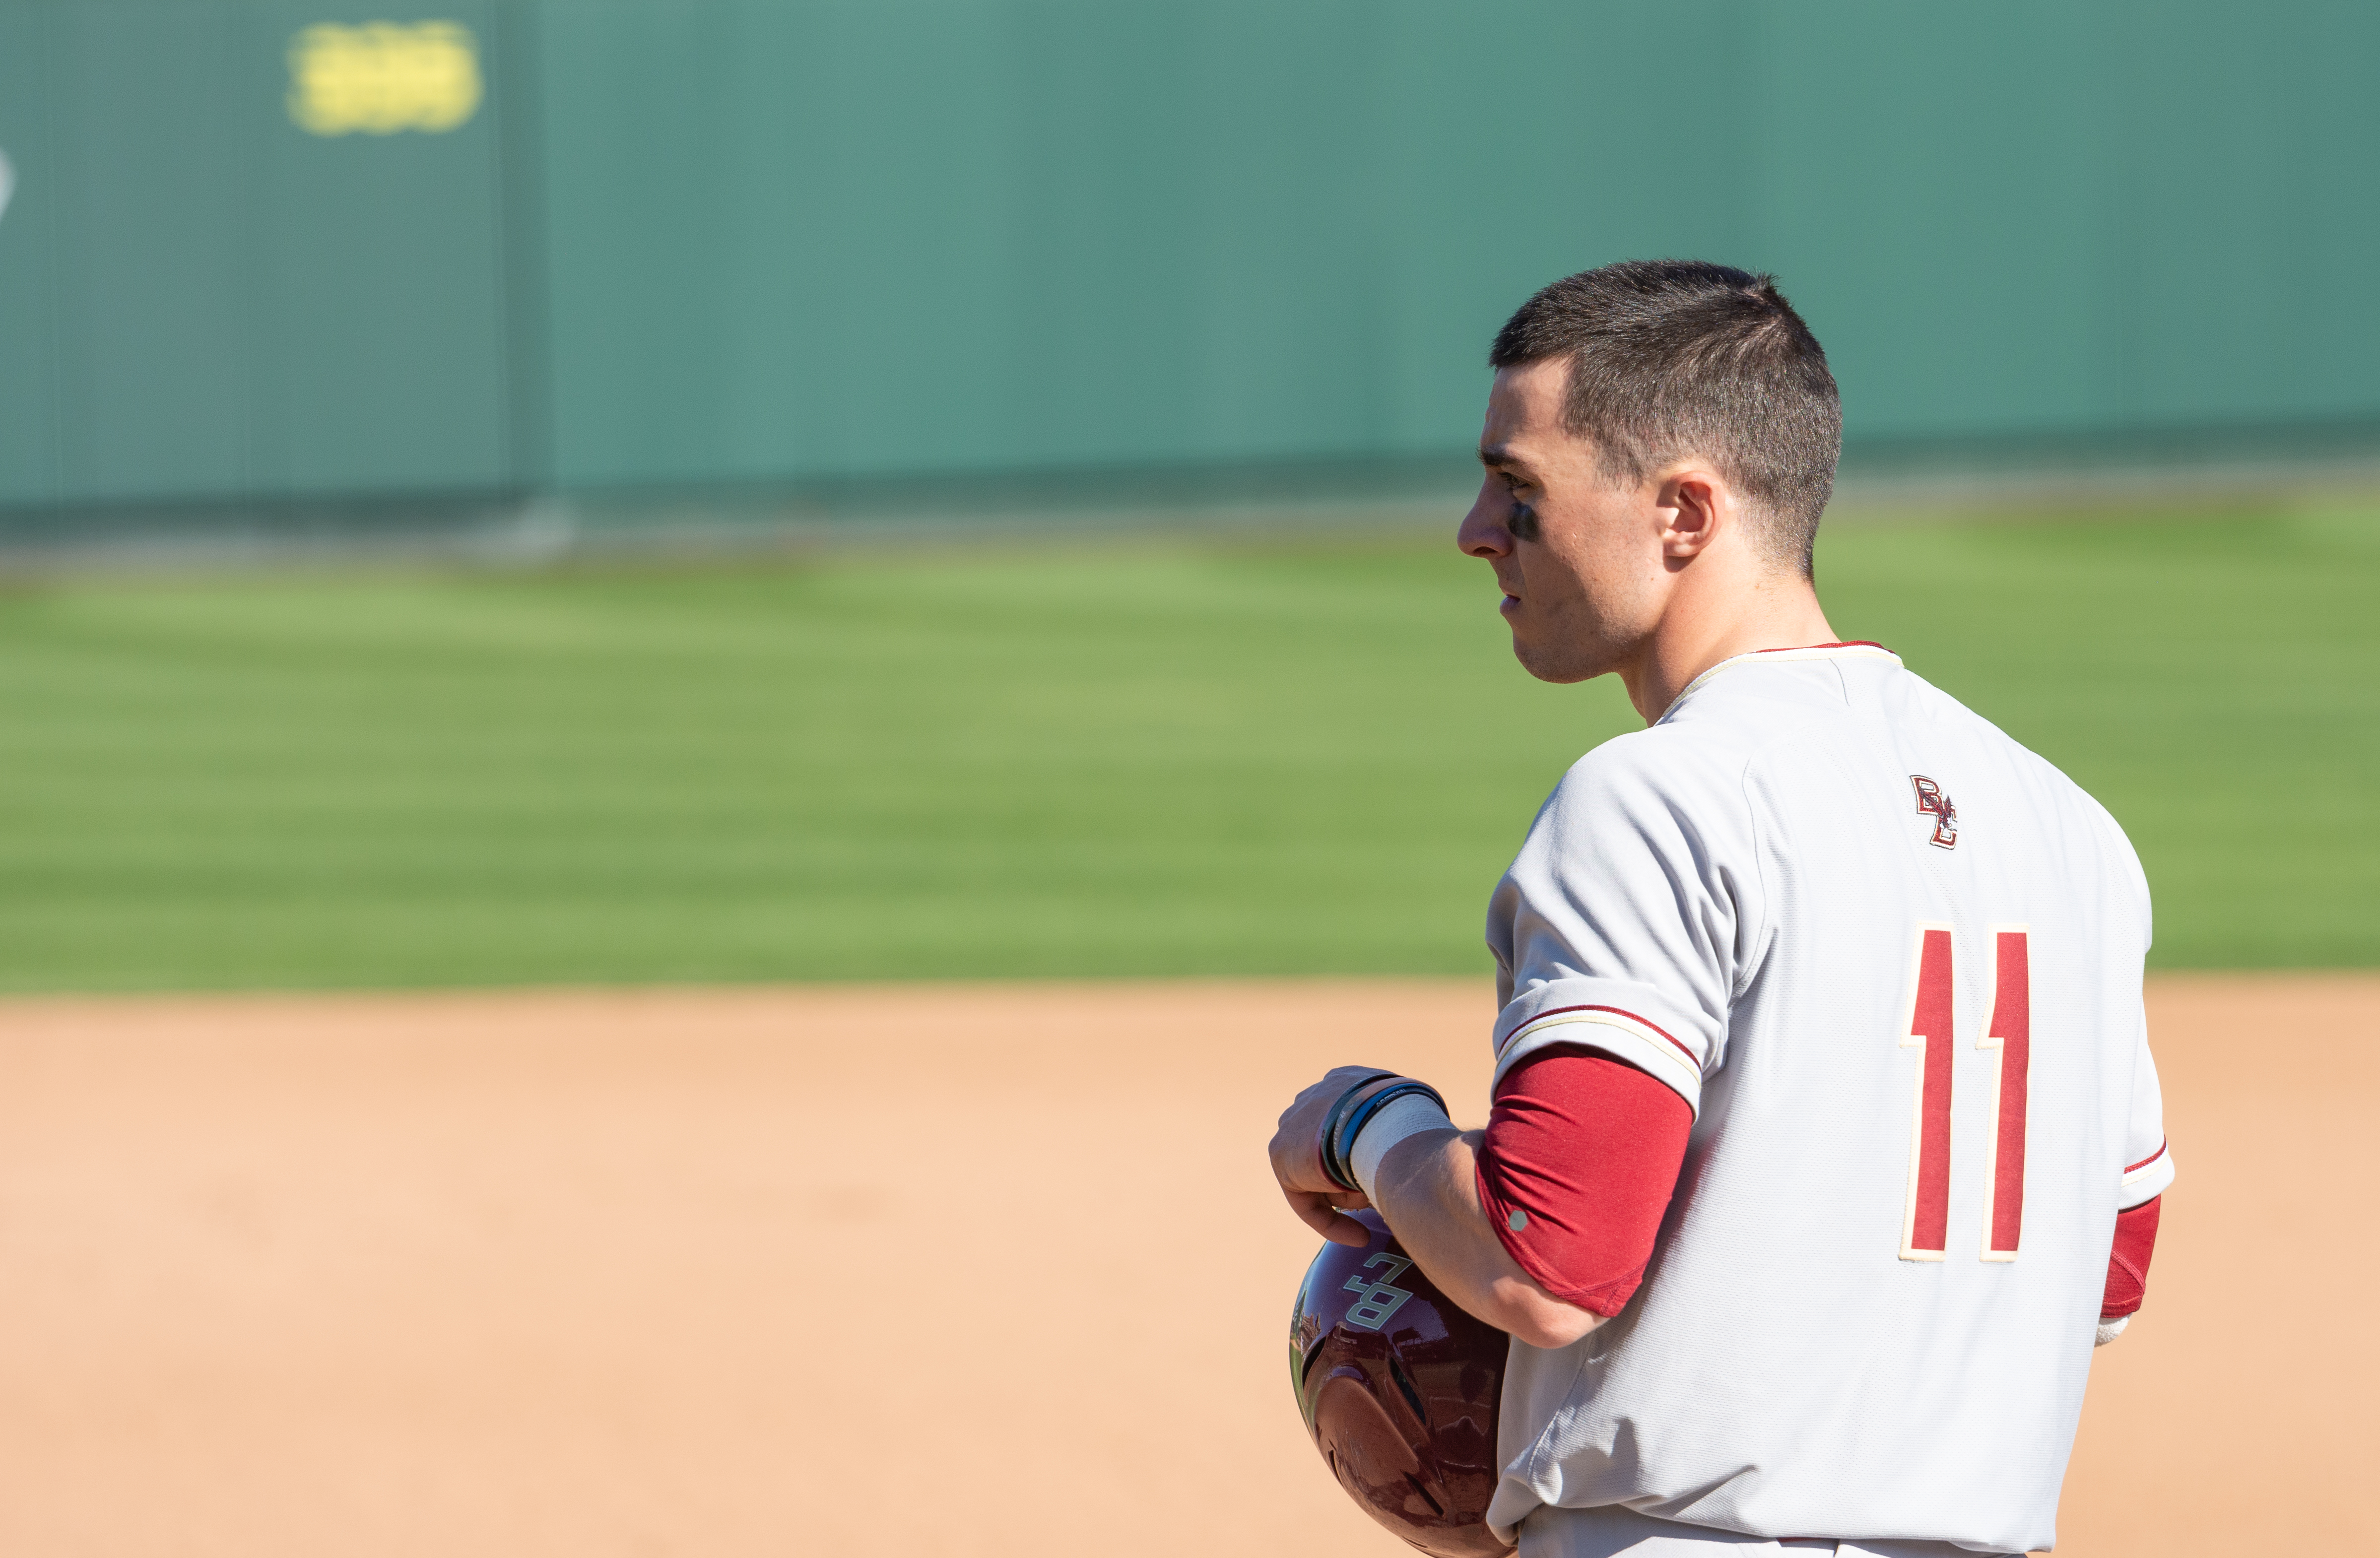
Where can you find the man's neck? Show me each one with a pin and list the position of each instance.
(1704, 625)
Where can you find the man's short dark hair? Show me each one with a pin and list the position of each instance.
(1671, 358)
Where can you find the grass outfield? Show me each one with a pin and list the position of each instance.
(1140, 759)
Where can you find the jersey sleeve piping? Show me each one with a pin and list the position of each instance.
(1618, 1033)
(2145, 1180)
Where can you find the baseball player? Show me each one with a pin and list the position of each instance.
(1824, 1143)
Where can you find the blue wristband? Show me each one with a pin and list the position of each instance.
(1338, 1161)
(1334, 1171)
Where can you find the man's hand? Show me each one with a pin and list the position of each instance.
(1429, 1184)
(1430, 1180)
(1317, 1201)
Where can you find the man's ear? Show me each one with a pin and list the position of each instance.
(1690, 503)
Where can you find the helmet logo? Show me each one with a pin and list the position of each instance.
(1380, 1298)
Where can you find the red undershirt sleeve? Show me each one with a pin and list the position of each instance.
(2128, 1262)
(1580, 1156)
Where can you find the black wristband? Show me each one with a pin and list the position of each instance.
(1368, 1109)
(1332, 1170)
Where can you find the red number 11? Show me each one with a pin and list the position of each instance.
(1925, 1226)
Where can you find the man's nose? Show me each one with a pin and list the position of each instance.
(1482, 533)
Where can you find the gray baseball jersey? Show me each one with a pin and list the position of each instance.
(1893, 959)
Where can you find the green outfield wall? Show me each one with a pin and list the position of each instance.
(265, 250)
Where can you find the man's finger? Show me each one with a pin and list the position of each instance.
(1347, 1231)
(1316, 1212)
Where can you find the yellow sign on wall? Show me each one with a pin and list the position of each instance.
(384, 77)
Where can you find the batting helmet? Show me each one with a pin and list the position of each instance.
(1400, 1388)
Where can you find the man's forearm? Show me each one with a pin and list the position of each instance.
(1428, 1190)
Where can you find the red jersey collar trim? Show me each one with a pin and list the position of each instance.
(1853, 649)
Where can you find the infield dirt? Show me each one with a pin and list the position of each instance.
(930, 1270)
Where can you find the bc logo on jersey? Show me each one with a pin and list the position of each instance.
(1932, 802)
(1380, 1299)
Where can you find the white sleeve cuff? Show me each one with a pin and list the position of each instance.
(2145, 1180)
(2111, 1329)
(1538, 1022)
(1409, 1116)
